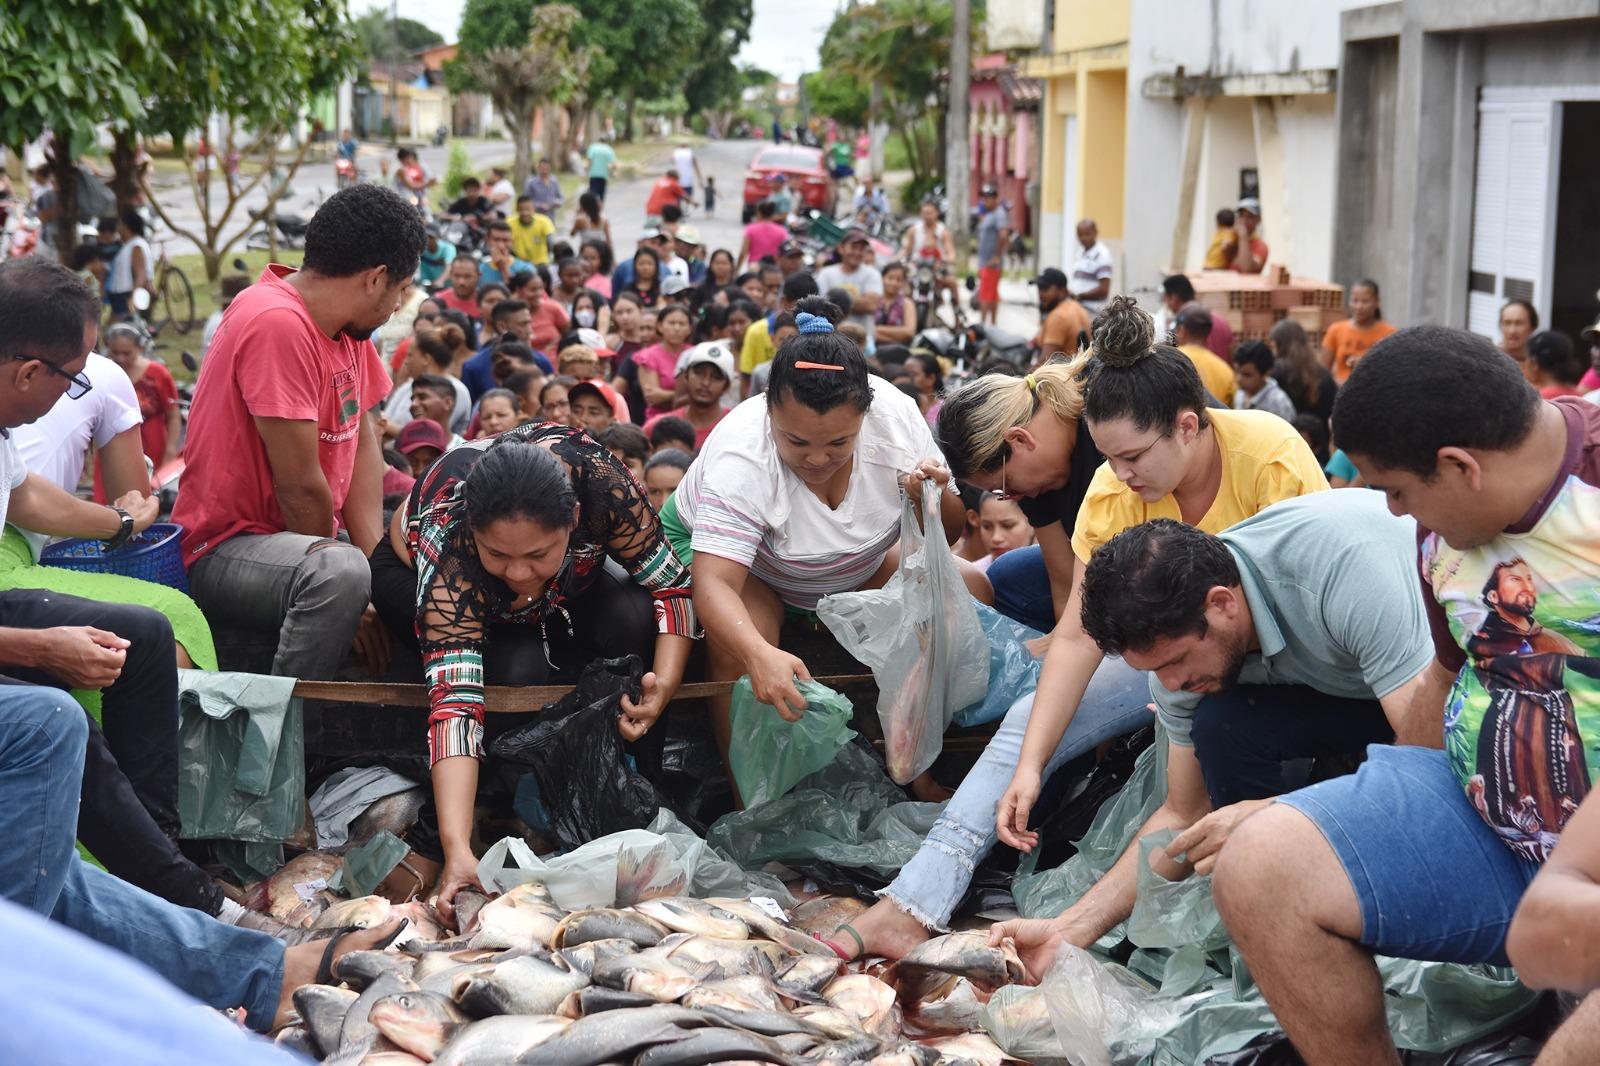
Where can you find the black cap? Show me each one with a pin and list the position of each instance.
(1050, 277)
(791, 248)
(853, 235)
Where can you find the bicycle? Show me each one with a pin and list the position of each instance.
(176, 296)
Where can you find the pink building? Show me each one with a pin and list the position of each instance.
(1004, 112)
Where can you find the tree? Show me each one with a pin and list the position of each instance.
(392, 40)
(545, 68)
(715, 83)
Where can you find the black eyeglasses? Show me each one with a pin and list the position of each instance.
(79, 385)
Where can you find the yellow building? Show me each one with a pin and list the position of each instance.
(1083, 126)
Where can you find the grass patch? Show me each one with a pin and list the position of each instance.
(169, 344)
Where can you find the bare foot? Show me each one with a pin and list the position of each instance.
(886, 930)
(926, 789)
(300, 962)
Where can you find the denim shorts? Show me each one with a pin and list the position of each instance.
(1433, 879)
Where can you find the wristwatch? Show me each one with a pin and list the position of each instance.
(122, 535)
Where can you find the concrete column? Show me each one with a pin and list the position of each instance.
(1277, 213)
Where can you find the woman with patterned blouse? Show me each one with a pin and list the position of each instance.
(525, 557)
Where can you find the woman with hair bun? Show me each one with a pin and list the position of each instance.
(519, 560)
(797, 495)
(1041, 438)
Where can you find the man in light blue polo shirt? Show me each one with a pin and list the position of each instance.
(1298, 633)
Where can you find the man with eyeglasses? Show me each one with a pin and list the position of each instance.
(129, 813)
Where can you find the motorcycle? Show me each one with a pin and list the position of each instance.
(291, 231)
(467, 238)
(346, 173)
(926, 295)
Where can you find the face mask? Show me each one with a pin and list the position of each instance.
(584, 318)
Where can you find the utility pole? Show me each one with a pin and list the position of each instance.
(394, 74)
(958, 144)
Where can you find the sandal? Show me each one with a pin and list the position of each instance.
(325, 967)
(861, 945)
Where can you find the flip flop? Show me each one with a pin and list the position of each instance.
(325, 967)
(861, 945)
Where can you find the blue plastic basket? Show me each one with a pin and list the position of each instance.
(149, 556)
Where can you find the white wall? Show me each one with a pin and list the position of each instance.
(1221, 38)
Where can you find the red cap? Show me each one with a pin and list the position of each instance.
(422, 433)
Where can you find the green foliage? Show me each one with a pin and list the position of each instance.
(392, 40)
(832, 92)
(486, 24)
(457, 170)
(715, 82)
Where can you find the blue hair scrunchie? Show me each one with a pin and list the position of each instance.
(810, 323)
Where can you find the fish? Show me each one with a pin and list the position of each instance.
(391, 1058)
(746, 992)
(868, 998)
(367, 1049)
(605, 924)
(584, 957)
(763, 923)
(363, 912)
(418, 1022)
(963, 955)
(766, 1022)
(597, 1000)
(907, 1054)
(468, 902)
(824, 915)
(357, 1025)
(830, 1021)
(804, 977)
(282, 898)
(977, 1048)
(729, 957)
(954, 1009)
(296, 1038)
(857, 1048)
(423, 924)
(522, 918)
(525, 985)
(358, 969)
(396, 813)
(494, 1041)
(615, 1036)
(684, 915)
(649, 973)
(449, 981)
(322, 1010)
(713, 1045)
(648, 873)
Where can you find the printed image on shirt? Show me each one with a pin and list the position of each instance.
(1522, 725)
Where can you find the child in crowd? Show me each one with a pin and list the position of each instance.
(590, 407)
(1347, 341)
(711, 196)
(970, 547)
(671, 432)
(526, 385)
(1217, 257)
(1001, 527)
(663, 473)
(127, 345)
(497, 412)
(422, 441)
(553, 405)
(1258, 389)
(629, 445)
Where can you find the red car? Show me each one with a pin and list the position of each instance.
(805, 169)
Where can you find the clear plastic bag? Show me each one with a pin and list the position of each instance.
(769, 754)
(1013, 669)
(1172, 914)
(920, 636)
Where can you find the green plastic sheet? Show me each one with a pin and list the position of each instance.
(365, 867)
(769, 754)
(241, 757)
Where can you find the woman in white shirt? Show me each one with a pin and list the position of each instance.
(130, 269)
(795, 496)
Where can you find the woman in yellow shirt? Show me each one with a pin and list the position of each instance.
(1167, 456)
(1347, 341)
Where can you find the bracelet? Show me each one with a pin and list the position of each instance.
(120, 538)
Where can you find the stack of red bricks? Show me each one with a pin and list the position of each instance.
(1253, 303)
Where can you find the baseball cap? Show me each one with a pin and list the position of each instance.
(1050, 277)
(688, 235)
(712, 353)
(649, 234)
(673, 284)
(1591, 334)
(591, 338)
(988, 190)
(432, 229)
(599, 388)
(1250, 204)
(854, 236)
(791, 248)
(422, 433)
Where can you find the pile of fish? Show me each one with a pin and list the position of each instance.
(672, 981)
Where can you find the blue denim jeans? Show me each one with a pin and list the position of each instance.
(933, 882)
(43, 734)
(1022, 588)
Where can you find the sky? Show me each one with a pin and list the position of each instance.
(784, 35)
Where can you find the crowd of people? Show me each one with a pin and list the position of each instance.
(495, 467)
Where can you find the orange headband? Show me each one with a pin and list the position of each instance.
(802, 365)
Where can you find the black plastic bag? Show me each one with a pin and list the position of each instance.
(573, 746)
(1268, 1049)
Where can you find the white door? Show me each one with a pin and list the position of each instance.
(1513, 210)
(1069, 193)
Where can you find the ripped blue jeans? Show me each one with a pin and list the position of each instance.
(933, 882)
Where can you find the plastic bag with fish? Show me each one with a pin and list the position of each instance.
(769, 754)
(921, 638)
(587, 786)
(1013, 669)
(618, 869)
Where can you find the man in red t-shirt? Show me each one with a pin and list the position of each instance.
(462, 295)
(282, 452)
(665, 191)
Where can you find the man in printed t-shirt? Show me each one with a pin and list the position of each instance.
(1425, 853)
(282, 456)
